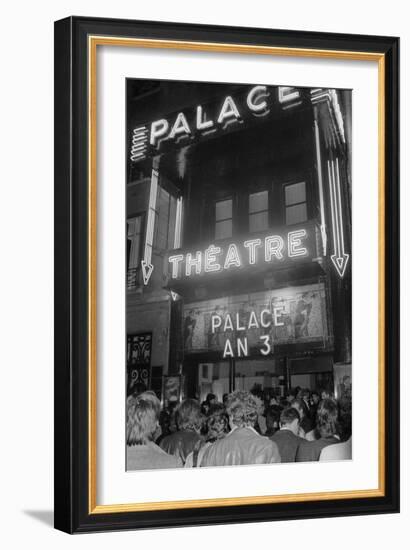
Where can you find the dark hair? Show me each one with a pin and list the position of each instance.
(188, 415)
(327, 418)
(243, 407)
(210, 396)
(217, 422)
(288, 415)
(272, 416)
(138, 388)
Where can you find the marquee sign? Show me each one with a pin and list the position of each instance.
(272, 249)
(205, 120)
(245, 325)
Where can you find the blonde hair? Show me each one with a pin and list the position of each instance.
(142, 420)
(243, 408)
(188, 415)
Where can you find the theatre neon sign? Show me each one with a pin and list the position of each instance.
(217, 258)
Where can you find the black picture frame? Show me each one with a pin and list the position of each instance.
(72, 382)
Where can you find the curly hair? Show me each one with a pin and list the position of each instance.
(243, 407)
(188, 415)
(327, 418)
(142, 420)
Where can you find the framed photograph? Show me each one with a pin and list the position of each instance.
(226, 274)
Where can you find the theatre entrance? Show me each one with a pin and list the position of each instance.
(221, 377)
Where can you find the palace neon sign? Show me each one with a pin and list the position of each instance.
(218, 258)
(201, 120)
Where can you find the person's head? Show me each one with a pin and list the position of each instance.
(211, 398)
(272, 418)
(305, 395)
(298, 391)
(290, 419)
(291, 396)
(142, 421)
(315, 397)
(326, 394)
(151, 396)
(165, 421)
(138, 388)
(217, 423)
(225, 398)
(242, 408)
(188, 415)
(300, 406)
(327, 418)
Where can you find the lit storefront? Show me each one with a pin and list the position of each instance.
(238, 236)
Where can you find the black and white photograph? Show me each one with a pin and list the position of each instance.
(238, 277)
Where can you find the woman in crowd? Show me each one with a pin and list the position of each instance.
(188, 420)
(216, 427)
(142, 424)
(272, 414)
(305, 426)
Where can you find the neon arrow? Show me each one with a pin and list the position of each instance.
(340, 259)
(146, 265)
(147, 270)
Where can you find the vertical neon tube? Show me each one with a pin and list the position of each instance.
(320, 181)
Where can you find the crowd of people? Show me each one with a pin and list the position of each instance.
(248, 427)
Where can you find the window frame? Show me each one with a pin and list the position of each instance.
(294, 181)
(267, 210)
(216, 201)
(141, 214)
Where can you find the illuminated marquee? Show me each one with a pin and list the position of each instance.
(231, 256)
(202, 121)
(255, 323)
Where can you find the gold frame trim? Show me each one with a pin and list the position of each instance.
(93, 42)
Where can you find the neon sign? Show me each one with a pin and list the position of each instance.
(202, 120)
(215, 259)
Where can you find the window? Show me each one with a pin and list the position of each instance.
(258, 211)
(134, 238)
(223, 219)
(165, 220)
(295, 203)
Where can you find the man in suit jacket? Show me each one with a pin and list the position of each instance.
(286, 438)
(243, 445)
(327, 427)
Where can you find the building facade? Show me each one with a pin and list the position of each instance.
(238, 237)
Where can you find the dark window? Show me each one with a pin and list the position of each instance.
(258, 211)
(223, 219)
(295, 203)
(165, 220)
(134, 244)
